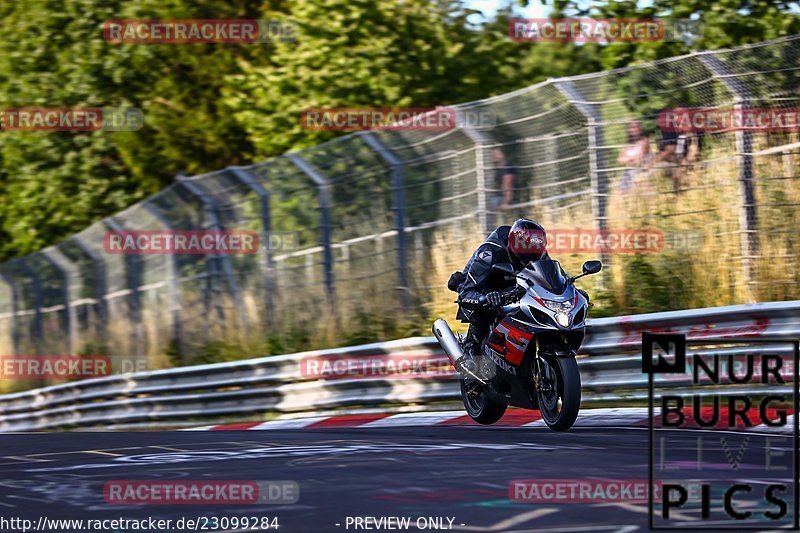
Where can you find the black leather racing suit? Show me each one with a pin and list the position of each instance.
(473, 307)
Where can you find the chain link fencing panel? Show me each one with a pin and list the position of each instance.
(358, 236)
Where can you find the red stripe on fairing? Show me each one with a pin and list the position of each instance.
(514, 355)
(348, 420)
(496, 347)
(519, 337)
(236, 427)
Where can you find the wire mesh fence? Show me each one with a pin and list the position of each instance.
(358, 235)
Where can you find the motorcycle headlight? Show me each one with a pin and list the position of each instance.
(558, 307)
(562, 319)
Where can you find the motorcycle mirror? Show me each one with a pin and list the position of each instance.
(592, 267)
(589, 267)
(506, 269)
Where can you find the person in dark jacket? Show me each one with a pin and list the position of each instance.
(479, 293)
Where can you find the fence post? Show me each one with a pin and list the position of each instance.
(598, 178)
(324, 194)
(133, 265)
(482, 142)
(172, 282)
(212, 211)
(9, 280)
(38, 333)
(748, 217)
(52, 257)
(99, 285)
(248, 178)
(397, 173)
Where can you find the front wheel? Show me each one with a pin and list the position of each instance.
(559, 391)
(480, 408)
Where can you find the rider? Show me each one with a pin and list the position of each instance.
(480, 294)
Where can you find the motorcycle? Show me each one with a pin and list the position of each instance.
(528, 358)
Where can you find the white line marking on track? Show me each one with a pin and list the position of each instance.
(288, 424)
(415, 419)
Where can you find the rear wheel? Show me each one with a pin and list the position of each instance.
(559, 391)
(480, 408)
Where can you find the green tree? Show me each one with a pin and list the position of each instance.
(53, 54)
(363, 53)
(207, 106)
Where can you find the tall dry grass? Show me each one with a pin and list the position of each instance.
(366, 301)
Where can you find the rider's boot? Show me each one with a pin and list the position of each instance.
(471, 347)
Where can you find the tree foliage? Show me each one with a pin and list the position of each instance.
(211, 105)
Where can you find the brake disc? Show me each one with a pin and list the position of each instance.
(473, 390)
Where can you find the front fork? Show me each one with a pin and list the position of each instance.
(536, 367)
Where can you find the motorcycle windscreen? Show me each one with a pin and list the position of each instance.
(548, 275)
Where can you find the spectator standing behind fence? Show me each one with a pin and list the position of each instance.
(676, 150)
(505, 178)
(635, 157)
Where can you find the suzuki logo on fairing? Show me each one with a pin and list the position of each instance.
(502, 364)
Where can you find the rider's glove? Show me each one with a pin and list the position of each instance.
(516, 294)
(494, 299)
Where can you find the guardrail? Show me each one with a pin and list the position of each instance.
(610, 370)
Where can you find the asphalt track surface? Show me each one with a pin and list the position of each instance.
(457, 472)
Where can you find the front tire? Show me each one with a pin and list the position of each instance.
(480, 408)
(559, 392)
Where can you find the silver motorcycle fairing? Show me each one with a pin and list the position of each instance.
(534, 300)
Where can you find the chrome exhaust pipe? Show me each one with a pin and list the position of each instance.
(451, 346)
(447, 340)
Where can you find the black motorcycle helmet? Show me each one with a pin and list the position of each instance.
(527, 241)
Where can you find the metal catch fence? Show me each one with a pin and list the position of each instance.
(359, 234)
